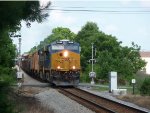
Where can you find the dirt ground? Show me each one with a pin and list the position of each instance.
(26, 103)
(143, 101)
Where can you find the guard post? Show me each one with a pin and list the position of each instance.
(112, 81)
(133, 83)
(19, 80)
(19, 76)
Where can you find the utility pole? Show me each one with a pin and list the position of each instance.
(19, 53)
(19, 49)
(19, 73)
(92, 57)
(92, 74)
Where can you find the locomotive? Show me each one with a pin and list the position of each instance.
(57, 63)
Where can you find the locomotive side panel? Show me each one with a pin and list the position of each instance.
(26, 63)
(32, 62)
(36, 62)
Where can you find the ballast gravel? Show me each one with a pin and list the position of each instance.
(52, 99)
(60, 103)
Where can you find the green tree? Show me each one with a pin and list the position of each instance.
(145, 87)
(7, 50)
(62, 33)
(87, 35)
(12, 13)
(58, 33)
(111, 56)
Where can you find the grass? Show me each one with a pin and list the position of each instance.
(100, 88)
(143, 101)
(105, 87)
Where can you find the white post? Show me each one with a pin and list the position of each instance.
(113, 81)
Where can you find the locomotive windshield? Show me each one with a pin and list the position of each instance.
(71, 47)
(58, 47)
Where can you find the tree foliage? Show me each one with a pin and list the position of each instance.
(7, 51)
(12, 13)
(58, 33)
(110, 55)
(61, 33)
(85, 37)
(145, 87)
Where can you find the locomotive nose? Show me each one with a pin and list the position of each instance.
(67, 60)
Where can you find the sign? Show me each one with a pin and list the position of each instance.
(19, 74)
(133, 81)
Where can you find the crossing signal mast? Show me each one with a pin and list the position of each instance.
(19, 49)
(19, 72)
(92, 74)
(19, 53)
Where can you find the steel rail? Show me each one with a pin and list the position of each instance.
(112, 101)
(99, 102)
(90, 104)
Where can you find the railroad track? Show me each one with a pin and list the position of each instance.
(97, 103)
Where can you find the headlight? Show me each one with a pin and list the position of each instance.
(66, 54)
(73, 67)
(58, 67)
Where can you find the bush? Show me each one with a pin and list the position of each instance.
(6, 106)
(6, 79)
(145, 87)
(84, 77)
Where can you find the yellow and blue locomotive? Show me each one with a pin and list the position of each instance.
(58, 63)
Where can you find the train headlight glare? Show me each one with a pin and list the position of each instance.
(66, 54)
(58, 67)
(73, 67)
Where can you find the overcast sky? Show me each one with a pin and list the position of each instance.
(127, 20)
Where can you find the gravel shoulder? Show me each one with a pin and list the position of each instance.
(60, 103)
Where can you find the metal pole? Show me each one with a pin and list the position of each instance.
(19, 52)
(92, 57)
(133, 88)
(92, 74)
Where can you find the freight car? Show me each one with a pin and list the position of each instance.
(57, 63)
